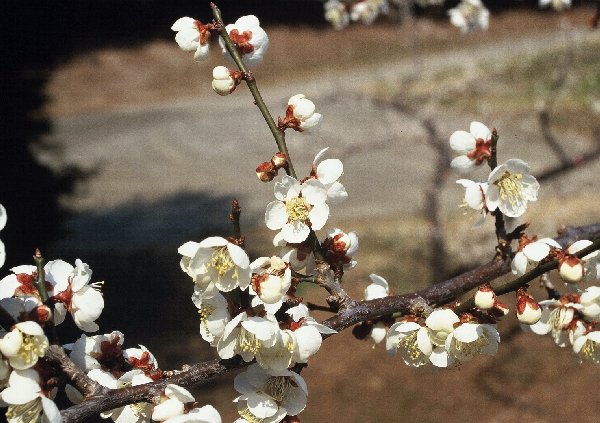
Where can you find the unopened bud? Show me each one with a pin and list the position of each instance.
(485, 297)
(11, 343)
(42, 314)
(223, 83)
(528, 310)
(279, 160)
(571, 269)
(500, 308)
(266, 172)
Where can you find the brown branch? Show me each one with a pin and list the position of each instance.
(88, 387)
(419, 303)
(234, 217)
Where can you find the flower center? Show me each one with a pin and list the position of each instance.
(248, 341)
(221, 261)
(25, 413)
(205, 311)
(242, 41)
(247, 415)
(481, 152)
(279, 388)
(30, 349)
(588, 350)
(297, 209)
(409, 345)
(469, 349)
(560, 318)
(511, 187)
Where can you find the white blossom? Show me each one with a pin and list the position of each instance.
(173, 403)
(192, 35)
(572, 269)
(336, 14)
(97, 352)
(328, 171)
(24, 345)
(301, 115)
(27, 402)
(485, 298)
(245, 335)
(510, 187)
(223, 83)
(214, 316)
(367, 11)
(75, 294)
(411, 340)
(269, 396)
(470, 15)
(339, 247)
(440, 324)
(474, 147)
(556, 320)
(587, 347)
(298, 208)
(205, 414)
(250, 39)
(475, 198)
(470, 339)
(21, 283)
(590, 302)
(531, 253)
(272, 278)
(556, 4)
(222, 262)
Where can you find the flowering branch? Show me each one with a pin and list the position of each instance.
(88, 387)
(40, 280)
(253, 87)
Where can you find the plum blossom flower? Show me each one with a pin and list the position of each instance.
(27, 401)
(214, 316)
(367, 11)
(510, 187)
(21, 283)
(300, 115)
(528, 310)
(485, 297)
(336, 14)
(98, 352)
(587, 347)
(470, 15)
(557, 318)
(412, 340)
(172, 404)
(222, 262)
(475, 198)
(339, 248)
(245, 335)
(530, 253)
(24, 345)
(556, 4)
(223, 83)
(470, 339)
(205, 414)
(250, 39)
(328, 171)
(2, 225)
(300, 256)
(269, 396)
(440, 324)
(573, 269)
(378, 288)
(475, 147)
(271, 279)
(298, 208)
(132, 413)
(74, 293)
(590, 302)
(192, 35)
(141, 358)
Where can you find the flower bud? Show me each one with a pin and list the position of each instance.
(571, 269)
(485, 297)
(42, 314)
(223, 83)
(169, 408)
(528, 310)
(266, 172)
(272, 289)
(280, 160)
(500, 308)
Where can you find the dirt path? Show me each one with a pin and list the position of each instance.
(156, 169)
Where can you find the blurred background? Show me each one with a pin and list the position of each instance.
(115, 150)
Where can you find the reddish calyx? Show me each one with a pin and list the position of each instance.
(481, 152)
(242, 41)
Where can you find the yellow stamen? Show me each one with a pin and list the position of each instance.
(248, 342)
(409, 344)
(279, 388)
(221, 261)
(30, 412)
(247, 415)
(297, 209)
(511, 187)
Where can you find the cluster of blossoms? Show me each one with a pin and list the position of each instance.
(468, 15)
(28, 391)
(509, 186)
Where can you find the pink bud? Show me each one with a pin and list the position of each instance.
(266, 171)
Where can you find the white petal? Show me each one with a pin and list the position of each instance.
(536, 251)
(2, 217)
(295, 232)
(261, 405)
(336, 193)
(58, 273)
(8, 285)
(183, 23)
(314, 192)
(519, 264)
(319, 155)
(308, 342)
(480, 131)
(517, 166)
(189, 249)
(296, 402)
(467, 332)
(51, 411)
(462, 164)
(213, 241)
(462, 141)
(318, 216)
(238, 255)
(330, 170)
(439, 357)
(276, 215)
